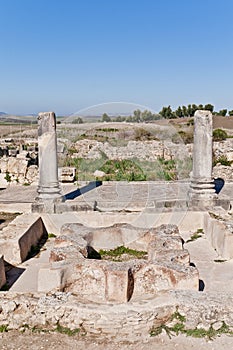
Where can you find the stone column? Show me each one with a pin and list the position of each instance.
(48, 190)
(202, 190)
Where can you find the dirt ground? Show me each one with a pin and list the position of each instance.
(14, 340)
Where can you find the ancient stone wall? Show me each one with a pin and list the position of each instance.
(129, 322)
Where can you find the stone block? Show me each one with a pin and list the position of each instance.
(66, 174)
(180, 256)
(160, 244)
(32, 173)
(20, 235)
(88, 280)
(67, 253)
(119, 283)
(17, 166)
(51, 279)
(152, 279)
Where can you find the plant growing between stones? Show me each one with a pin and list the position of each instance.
(7, 177)
(3, 328)
(198, 234)
(58, 329)
(51, 235)
(118, 253)
(66, 330)
(179, 328)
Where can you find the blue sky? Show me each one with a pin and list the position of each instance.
(68, 55)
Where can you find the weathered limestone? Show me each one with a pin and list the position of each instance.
(19, 236)
(202, 192)
(48, 189)
(66, 174)
(76, 266)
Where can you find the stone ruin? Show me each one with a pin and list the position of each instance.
(105, 297)
(76, 268)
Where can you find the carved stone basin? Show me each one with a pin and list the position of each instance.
(72, 267)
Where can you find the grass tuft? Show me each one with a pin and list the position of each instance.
(116, 254)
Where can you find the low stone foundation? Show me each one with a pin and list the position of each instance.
(130, 322)
(166, 265)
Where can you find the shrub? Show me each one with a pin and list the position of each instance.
(182, 136)
(120, 170)
(222, 160)
(219, 135)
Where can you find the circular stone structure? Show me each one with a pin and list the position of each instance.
(76, 265)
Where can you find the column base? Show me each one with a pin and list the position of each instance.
(46, 205)
(48, 197)
(202, 194)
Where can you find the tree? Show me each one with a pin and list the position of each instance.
(137, 115)
(77, 121)
(209, 107)
(189, 111)
(185, 111)
(230, 112)
(194, 108)
(179, 112)
(120, 118)
(146, 115)
(223, 112)
(106, 118)
(167, 113)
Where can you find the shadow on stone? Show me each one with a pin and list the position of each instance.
(218, 184)
(92, 253)
(201, 286)
(12, 274)
(80, 191)
(35, 249)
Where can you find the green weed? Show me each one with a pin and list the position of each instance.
(116, 254)
(66, 330)
(198, 234)
(3, 328)
(179, 328)
(51, 235)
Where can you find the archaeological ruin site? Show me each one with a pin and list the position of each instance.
(116, 258)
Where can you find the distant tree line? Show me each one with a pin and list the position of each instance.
(188, 111)
(137, 117)
(166, 112)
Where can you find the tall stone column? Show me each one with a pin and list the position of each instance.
(202, 192)
(48, 190)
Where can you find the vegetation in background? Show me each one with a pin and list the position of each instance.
(130, 169)
(219, 135)
(182, 136)
(222, 160)
(124, 169)
(78, 120)
(184, 111)
(167, 170)
(137, 117)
